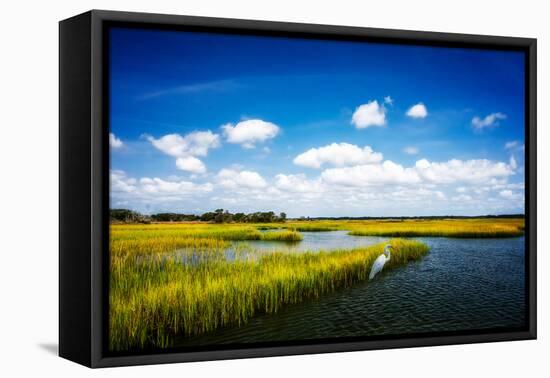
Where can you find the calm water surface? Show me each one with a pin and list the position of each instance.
(462, 284)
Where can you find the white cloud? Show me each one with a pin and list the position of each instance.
(412, 195)
(388, 100)
(452, 171)
(157, 185)
(511, 145)
(249, 133)
(121, 183)
(489, 121)
(373, 174)
(418, 111)
(114, 142)
(462, 198)
(513, 163)
(410, 150)
(353, 181)
(142, 193)
(369, 114)
(339, 155)
(514, 145)
(233, 179)
(196, 143)
(440, 195)
(508, 194)
(186, 148)
(297, 183)
(190, 164)
(424, 172)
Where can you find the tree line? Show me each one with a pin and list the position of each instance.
(217, 216)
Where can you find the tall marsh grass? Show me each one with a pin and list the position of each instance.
(455, 228)
(287, 236)
(153, 300)
(175, 279)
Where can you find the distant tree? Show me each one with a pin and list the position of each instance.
(173, 217)
(208, 217)
(216, 216)
(222, 216)
(127, 216)
(239, 217)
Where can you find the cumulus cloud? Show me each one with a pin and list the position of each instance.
(249, 133)
(451, 172)
(412, 195)
(440, 195)
(455, 170)
(369, 114)
(196, 143)
(297, 183)
(186, 148)
(190, 164)
(114, 142)
(388, 100)
(121, 183)
(157, 185)
(148, 190)
(418, 111)
(410, 150)
(488, 121)
(462, 198)
(373, 174)
(339, 155)
(508, 194)
(234, 179)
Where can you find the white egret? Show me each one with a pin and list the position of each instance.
(380, 261)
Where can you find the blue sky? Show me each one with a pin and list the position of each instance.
(315, 128)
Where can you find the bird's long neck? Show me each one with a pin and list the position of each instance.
(387, 253)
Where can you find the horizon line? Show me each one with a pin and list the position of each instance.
(341, 217)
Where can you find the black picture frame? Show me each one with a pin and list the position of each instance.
(84, 182)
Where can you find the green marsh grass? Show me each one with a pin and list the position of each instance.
(454, 228)
(287, 236)
(153, 300)
(155, 295)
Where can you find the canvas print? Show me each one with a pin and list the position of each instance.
(273, 190)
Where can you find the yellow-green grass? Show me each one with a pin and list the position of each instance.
(456, 228)
(288, 236)
(154, 296)
(460, 228)
(140, 239)
(155, 299)
(306, 226)
(472, 227)
(193, 230)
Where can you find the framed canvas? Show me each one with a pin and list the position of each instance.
(235, 188)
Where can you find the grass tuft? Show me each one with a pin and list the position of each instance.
(287, 236)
